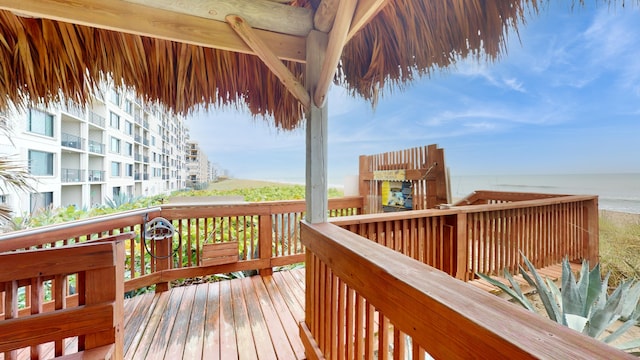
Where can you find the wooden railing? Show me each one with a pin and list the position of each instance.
(267, 234)
(50, 295)
(465, 240)
(367, 301)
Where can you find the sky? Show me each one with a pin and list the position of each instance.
(565, 98)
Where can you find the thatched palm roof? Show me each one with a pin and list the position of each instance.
(45, 59)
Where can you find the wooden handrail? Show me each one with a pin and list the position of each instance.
(445, 317)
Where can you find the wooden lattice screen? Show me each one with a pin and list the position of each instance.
(423, 167)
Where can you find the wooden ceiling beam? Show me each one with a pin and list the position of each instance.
(325, 15)
(337, 40)
(365, 11)
(261, 14)
(261, 49)
(136, 19)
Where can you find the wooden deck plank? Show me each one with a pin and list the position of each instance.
(140, 314)
(196, 328)
(181, 324)
(294, 305)
(244, 337)
(228, 343)
(162, 337)
(146, 335)
(293, 285)
(262, 338)
(213, 325)
(131, 303)
(282, 326)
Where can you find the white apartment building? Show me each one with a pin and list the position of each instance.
(82, 156)
(197, 165)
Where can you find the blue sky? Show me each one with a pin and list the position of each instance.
(565, 98)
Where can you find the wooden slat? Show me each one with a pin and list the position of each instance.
(147, 334)
(181, 325)
(244, 336)
(41, 328)
(195, 331)
(261, 336)
(67, 260)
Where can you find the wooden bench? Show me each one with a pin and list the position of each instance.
(219, 253)
(94, 314)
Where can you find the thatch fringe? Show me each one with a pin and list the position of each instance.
(48, 61)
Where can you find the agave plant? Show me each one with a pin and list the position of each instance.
(584, 305)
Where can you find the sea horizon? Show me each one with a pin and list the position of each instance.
(615, 191)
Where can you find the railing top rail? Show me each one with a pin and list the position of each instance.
(560, 199)
(15, 239)
(412, 214)
(233, 203)
(455, 320)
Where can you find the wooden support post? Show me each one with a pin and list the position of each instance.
(461, 250)
(265, 241)
(107, 285)
(316, 134)
(11, 310)
(364, 185)
(591, 237)
(163, 260)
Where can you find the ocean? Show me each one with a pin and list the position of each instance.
(616, 192)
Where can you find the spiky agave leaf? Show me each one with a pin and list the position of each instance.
(594, 288)
(515, 293)
(543, 291)
(605, 315)
(572, 298)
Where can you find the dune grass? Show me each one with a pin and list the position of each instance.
(620, 245)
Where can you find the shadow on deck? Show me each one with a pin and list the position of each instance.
(249, 318)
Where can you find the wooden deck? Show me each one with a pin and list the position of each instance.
(251, 318)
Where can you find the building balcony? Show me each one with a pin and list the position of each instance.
(96, 175)
(96, 119)
(71, 175)
(72, 141)
(96, 147)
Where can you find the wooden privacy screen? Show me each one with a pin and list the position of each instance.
(423, 167)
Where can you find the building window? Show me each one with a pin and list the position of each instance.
(129, 170)
(114, 96)
(115, 145)
(153, 140)
(41, 200)
(114, 120)
(115, 168)
(39, 122)
(128, 127)
(40, 163)
(128, 148)
(128, 107)
(116, 191)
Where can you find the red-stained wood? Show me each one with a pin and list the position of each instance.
(219, 253)
(446, 326)
(214, 325)
(193, 347)
(244, 336)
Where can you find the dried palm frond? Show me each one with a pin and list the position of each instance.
(46, 60)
